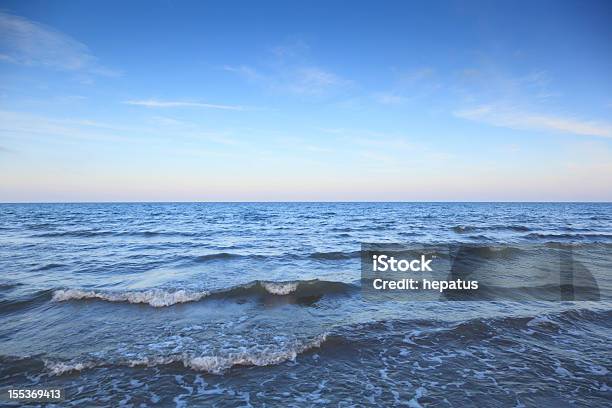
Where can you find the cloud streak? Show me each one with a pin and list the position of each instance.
(287, 69)
(515, 119)
(20, 126)
(153, 103)
(299, 80)
(26, 42)
(389, 98)
(410, 86)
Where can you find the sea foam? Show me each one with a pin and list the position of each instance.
(213, 364)
(280, 288)
(153, 297)
(163, 297)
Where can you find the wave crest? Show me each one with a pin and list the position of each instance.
(213, 364)
(161, 297)
(280, 288)
(218, 364)
(59, 368)
(153, 297)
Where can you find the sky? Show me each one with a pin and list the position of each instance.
(305, 101)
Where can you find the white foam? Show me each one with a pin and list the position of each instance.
(153, 297)
(62, 368)
(280, 288)
(220, 363)
(213, 364)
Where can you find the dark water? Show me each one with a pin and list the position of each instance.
(260, 304)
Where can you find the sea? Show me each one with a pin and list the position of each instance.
(261, 304)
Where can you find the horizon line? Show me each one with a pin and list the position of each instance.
(315, 202)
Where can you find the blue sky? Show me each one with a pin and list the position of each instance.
(334, 100)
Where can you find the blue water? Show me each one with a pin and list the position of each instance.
(259, 303)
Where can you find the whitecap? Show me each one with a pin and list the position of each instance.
(153, 297)
(59, 368)
(280, 288)
(213, 364)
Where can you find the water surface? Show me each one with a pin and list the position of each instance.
(260, 303)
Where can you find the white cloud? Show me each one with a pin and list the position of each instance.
(288, 69)
(245, 71)
(521, 101)
(515, 119)
(417, 75)
(19, 125)
(313, 80)
(165, 121)
(389, 98)
(409, 86)
(152, 103)
(291, 49)
(26, 42)
(295, 79)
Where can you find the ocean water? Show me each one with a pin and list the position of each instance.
(259, 304)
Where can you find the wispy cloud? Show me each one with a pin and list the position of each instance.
(299, 80)
(409, 86)
(166, 121)
(522, 100)
(27, 42)
(313, 80)
(487, 83)
(333, 131)
(295, 48)
(516, 119)
(389, 98)
(417, 75)
(371, 139)
(245, 71)
(19, 125)
(153, 103)
(289, 69)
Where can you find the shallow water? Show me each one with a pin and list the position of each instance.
(254, 303)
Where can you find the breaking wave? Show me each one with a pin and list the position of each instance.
(295, 289)
(416, 333)
(161, 298)
(59, 368)
(213, 364)
(280, 288)
(153, 297)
